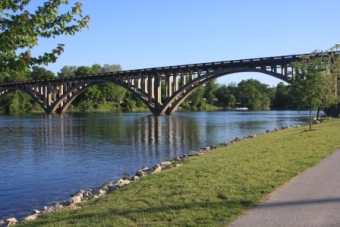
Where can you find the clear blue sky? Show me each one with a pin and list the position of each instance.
(151, 33)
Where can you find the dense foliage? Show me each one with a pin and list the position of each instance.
(315, 82)
(21, 29)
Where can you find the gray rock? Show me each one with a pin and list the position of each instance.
(75, 200)
(205, 149)
(105, 188)
(79, 193)
(58, 207)
(144, 169)
(122, 183)
(87, 194)
(135, 178)
(157, 169)
(167, 163)
(141, 174)
(10, 222)
(35, 212)
(31, 217)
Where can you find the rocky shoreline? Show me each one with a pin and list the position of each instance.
(82, 196)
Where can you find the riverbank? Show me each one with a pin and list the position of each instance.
(213, 189)
(85, 150)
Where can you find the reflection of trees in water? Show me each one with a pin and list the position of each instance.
(250, 125)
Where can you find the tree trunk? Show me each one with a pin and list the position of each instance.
(310, 120)
(318, 114)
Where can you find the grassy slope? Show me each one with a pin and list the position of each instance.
(210, 190)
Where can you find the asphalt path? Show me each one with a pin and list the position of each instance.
(311, 199)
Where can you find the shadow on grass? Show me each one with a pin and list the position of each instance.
(135, 215)
(312, 130)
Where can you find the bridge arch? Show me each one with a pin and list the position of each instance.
(172, 103)
(71, 94)
(9, 90)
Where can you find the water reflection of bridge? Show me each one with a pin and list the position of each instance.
(151, 134)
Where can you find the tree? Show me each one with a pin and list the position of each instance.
(253, 94)
(20, 31)
(209, 91)
(14, 76)
(96, 68)
(39, 73)
(110, 91)
(309, 83)
(67, 71)
(111, 68)
(332, 94)
(283, 98)
(83, 70)
(195, 99)
(225, 95)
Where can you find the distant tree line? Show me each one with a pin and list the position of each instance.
(250, 93)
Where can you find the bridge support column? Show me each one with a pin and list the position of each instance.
(150, 89)
(176, 83)
(61, 93)
(153, 87)
(284, 70)
(143, 85)
(41, 92)
(191, 75)
(184, 78)
(168, 85)
(139, 82)
(54, 90)
(158, 91)
(273, 69)
(47, 95)
(70, 85)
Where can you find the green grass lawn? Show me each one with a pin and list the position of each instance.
(209, 190)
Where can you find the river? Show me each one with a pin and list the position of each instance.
(45, 158)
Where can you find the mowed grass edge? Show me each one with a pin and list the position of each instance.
(209, 190)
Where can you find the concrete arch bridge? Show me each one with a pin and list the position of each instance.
(55, 95)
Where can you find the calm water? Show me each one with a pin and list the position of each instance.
(45, 158)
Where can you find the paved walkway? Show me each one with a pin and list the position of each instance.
(311, 199)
